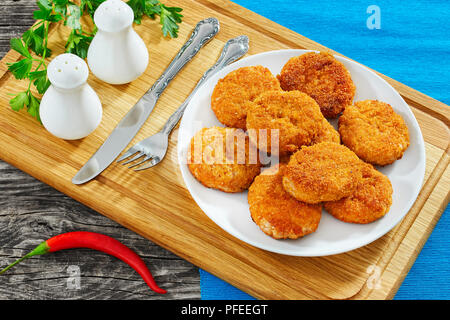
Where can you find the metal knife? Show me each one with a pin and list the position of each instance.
(130, 124)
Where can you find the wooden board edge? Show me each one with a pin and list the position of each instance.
(396, 263)
(445, 178)
(11, 57)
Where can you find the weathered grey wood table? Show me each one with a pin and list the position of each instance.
(31, 212)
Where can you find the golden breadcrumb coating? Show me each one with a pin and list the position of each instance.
(327, 134)
(322, 77)
(295, 116)
(374, 132)
(220, 158)
(323, 172)
(236, 89)
(370, 201)
(277, 213)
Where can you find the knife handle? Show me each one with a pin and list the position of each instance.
(203, 32)
(233, 50)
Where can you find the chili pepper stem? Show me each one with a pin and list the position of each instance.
(42, 248)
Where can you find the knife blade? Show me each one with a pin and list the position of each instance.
(130, 124)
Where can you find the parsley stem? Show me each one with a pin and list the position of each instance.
(88, 33)
(37, 24)
(41, 62)
(46, 25)
(29, 87)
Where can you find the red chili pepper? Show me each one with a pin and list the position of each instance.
(96, 241)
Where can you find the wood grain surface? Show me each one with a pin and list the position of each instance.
(155, 203)
(31, 211)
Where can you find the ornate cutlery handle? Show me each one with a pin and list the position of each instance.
(203, 32)
(233, 50)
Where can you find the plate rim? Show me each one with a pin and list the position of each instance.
(328, 252)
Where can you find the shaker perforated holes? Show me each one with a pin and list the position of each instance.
(67, 71)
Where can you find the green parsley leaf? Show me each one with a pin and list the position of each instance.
(40, 80)
(33, 107)
(37, 74)
(152, 8)
(38, 37)
(138, 7)
(21, 68)
(19, 101)
(34, 41)
(61, 6)
(18, 45)
(45, 4)
(45, 12)
(90, 6)
(73, 20)
(169, 17)
(78, 44)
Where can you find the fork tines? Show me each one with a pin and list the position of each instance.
(138, 156)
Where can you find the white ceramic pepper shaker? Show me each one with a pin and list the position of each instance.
(117, 54)
(70, 109)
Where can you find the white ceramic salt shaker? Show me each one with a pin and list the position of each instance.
(117, 54)
(70, 109)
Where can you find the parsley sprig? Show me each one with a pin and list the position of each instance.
(33, 45)
(169, 17)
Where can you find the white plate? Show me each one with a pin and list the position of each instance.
(231, 212)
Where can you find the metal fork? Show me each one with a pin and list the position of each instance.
(153, 149)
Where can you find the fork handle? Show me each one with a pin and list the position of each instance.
(233, 50)
(203, 32)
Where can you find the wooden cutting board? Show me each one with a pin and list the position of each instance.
(156, 204)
